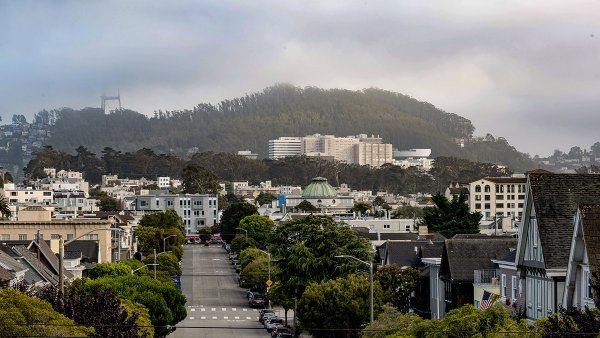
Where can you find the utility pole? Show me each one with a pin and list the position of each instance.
(155, 264)
(61, 257)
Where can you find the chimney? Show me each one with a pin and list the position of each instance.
(423, 230)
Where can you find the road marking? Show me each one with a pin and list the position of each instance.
(192, 318)
(225, 317)
(233, 309)
(248, 317)
(245, 310)
(202, 309)
(214, 317)
(223, 309)
(216, 259)
(213, 309)
(202, 317)
(193, 309)
(254, 310)
(237, 317)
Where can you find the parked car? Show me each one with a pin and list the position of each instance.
(274, 323)
(258, 302)
(279, 330)
(262, 312)
(266, 317)
(284, 335)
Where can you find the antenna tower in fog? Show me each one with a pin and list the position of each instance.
(105, 98)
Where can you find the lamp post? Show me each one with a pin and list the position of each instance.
(143, 266)
(370, 264)
(245, 231)
(268, 254)
(165, 242)
(61, 255)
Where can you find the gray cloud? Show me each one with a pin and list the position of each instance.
(527, 71)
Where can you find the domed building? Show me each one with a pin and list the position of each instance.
(323, 196)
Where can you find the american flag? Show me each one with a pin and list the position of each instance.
(487, 300)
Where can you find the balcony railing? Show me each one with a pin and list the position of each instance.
(489, 276)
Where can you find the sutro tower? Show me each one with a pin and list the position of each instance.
(105, 98)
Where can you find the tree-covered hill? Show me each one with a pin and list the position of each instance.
(282, 110)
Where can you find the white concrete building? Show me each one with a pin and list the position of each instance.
(163, 182)
(196, 210)
(27, 195)
(498, 197)
(284, 147)
(74, 202)
(384, 225)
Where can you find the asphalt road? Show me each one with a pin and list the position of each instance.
(216, 305)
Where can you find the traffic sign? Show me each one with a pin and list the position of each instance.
(269, 283)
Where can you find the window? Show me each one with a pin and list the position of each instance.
(407, 228)
(504, 286)
(477, 205)
(587, 285)
(487, 206)
(500, 197)
(13, 193)
(478, 197)
(476, 303)
(5, 237)
(487, 188)
(91, 237)
(521, 197)
(478, 188)
(499, 205)
(55, 236)
(487, 197)
(47, 193)
(143, 203)
(386, 226)
(513, 288)
(22, 237)
(520, 205)
(157, 203)
(70, 237)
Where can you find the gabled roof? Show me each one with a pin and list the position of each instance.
(6, 275)
(461, 257)
(409, 253)
(555, 198)
(88, 248)
(458, 191)
(399, 236)
(590, 221)
(10, 263)
(509, 257)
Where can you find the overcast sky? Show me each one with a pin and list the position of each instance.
(525, 70)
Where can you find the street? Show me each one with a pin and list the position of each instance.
(216, 305)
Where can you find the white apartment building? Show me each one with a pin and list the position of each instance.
(360, 149)
(76, 175)
(196, 210)
(16, 195)
(163, 182)
(498, 196)
(74, 202)
(284, 147)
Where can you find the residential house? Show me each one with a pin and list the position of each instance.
(497, 197)
(465, 261)
(544, 245)
(512, 290)
(584, 258)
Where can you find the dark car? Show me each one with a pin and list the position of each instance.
(280, 330)
(258, 302)
(263, 313)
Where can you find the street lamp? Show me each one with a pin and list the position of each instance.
(370, 264)
(245, 231)
(61, 255)
(165, 242)
(143, 266)
(268, 287)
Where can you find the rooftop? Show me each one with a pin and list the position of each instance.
(319, 188)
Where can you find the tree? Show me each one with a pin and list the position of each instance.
(306, 250)
(106, 203)
(109, 269)
(26, 316)
(165, 303)
(258, 227)
(197, 180)
(277, 296)
(265, 198)
(8, 177)
(451, 217)
(379, 201)
(165, 220)
(4, 208)
(248, 255)
(398, 285)
(256, 273)
(241, 242)
(389, 321)
(342, 303)
(232, 216)
(595, 148)
(95, 307)
(167, 262)
(306, 206)
(407, 211)
(205, 233)
(575, 152)
(583, 323)
(361, 207)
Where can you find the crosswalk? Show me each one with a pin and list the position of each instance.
(200, 312)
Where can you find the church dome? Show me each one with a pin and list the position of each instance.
(319, 188)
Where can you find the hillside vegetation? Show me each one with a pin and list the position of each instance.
(248, 122)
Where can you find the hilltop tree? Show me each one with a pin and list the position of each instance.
(197, 180)
(265, 198)
(306, 206)
(451, 217)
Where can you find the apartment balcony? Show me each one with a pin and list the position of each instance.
(488, 276)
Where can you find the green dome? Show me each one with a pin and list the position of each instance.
(319, 188)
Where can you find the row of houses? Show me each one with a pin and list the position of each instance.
(550, 263)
